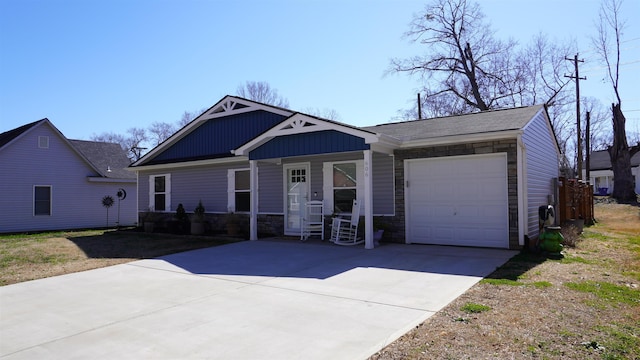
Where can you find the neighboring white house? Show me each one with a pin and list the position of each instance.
(48, 182)
(469, 180)
(601, 173)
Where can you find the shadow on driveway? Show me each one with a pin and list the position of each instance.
(321, 261)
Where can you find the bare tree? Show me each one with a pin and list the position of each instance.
(607, 43)
(326, 113)
(600, 136)
(463, 59)
(466, 68)
(136, 142)
(110, 137)
(188, 116)
(160, 131)
(133, 144)
(262, 92)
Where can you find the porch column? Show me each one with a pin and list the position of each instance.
(368, 200)
(253, 185)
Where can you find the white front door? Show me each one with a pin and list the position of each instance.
(296, 194)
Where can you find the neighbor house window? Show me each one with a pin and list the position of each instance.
(42, 200)
(160, 192)
(239, 190)
(341, 185)
(43, 142)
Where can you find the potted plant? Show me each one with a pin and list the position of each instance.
(232, 223)
(197, 222)
(182, 219)
(379, 226)
(148, 220)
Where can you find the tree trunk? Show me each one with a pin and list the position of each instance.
(623, 188)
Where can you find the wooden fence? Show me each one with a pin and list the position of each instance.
(575, 201)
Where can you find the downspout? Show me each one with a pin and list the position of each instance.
(522, 191)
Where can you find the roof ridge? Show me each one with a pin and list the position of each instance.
(460, 115)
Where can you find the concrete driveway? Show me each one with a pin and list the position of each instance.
(249, 300)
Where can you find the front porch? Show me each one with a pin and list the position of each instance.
(324, 161)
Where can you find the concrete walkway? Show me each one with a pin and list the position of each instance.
(249, 300)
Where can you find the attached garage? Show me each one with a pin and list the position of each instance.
(458, 200)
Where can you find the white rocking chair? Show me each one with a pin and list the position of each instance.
(344, 231)
(313, 220)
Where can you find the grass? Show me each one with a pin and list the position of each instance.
(507, 282)
(26, 257)
(585, 305)
(608, 292)
(473, 308)
(620, 340)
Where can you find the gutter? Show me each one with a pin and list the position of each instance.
(223, 161)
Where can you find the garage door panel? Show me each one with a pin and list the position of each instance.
(458, 201)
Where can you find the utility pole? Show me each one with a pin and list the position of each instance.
(577, 78)
(587, 147)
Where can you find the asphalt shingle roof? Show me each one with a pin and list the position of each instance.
(105, 156)
(600, 160)
(476, 123)
(7, 136)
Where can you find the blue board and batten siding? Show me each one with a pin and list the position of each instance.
(542, 164)
(216, 137)
(321, 142)
(75, 202)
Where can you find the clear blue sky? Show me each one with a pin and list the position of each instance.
(96, 66)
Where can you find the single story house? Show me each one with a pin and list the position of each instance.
(469, 180)
(51, 183)
(601, 172)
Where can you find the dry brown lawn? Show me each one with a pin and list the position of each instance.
(26, 257)
(583, 306)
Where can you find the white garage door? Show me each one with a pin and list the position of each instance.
(460, 200)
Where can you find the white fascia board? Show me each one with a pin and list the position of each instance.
(460, 139)
(383, 148)
(222, 161)
(110, 180)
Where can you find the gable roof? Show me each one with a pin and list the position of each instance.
(491, 121)
(481, 126)
(8, 136)
(109, 158)
(299, 123)
(600, 160)
(100, 156)
(227, 106)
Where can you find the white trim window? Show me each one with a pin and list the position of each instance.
(343, 183)
(42, 196)
(239, 190)
(160, 192)
(43, 142)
